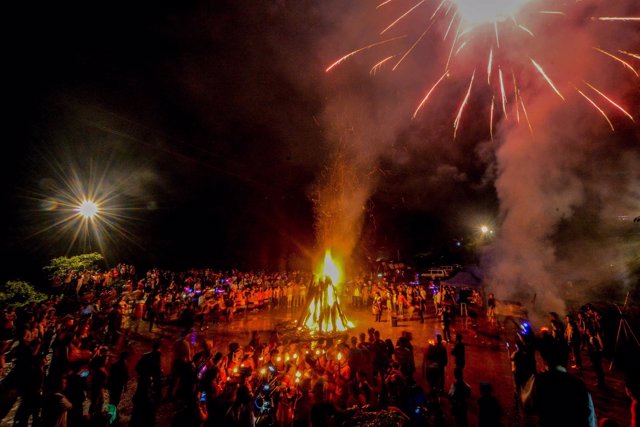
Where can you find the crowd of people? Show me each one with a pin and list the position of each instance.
(71, 362)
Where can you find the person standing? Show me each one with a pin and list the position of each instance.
(489, 409)
(118, 378)
(459, 393)
(434, 364)
(446, 322)
(491, 309)
(574, 341)
(149, 389)
(458, 354)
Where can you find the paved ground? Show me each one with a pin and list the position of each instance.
(487, 359)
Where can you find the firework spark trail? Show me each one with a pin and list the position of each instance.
(549, 81)
(424, 100)
(620, 60)
(349, 55)
(633, 55)
(412, 47)
(618, 18)
(402, 17)
(526, 30)
(453, 45)
(461, 22)
(504, 96)
(446, 33)
(456, 123)
(378, 65)
(462, 45)
(526, 116)
(611, 101)
(515, 96)
(489, 66)
(383, 3)
(597, 108)
(493, 99)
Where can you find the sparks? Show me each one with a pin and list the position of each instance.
(493, 98)
(620, 60)
(541, 71)
(489, 66)
(611, 101)
(526, 116)
(456, 123)
(404, 15)
(412, 47)
(378, 65)
(633, 55)
(597, 108)
(618, 18)
(349, 55)
(424, 100)
(504, 96)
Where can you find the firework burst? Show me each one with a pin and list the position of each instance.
(500, 38)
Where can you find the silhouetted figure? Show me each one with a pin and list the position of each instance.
(118, 378)
(489, 409)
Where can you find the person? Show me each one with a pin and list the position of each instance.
(55, 407)
(558, 398)
(489, 409)
(446, 322)
(433, 365)
(459, 393)
(118, 378)
(523, 366)
(458, 354)
(595, 356)
(574, 341)
(491, 308)
(149, 389)
(240, 414)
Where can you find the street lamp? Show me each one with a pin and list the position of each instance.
(88, 209)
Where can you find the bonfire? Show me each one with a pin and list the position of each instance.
(323, 314)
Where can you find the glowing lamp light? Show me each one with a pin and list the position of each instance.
(339, 356)
(88, 209)
(484, 229)
(263, 371)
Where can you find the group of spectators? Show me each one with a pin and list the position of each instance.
(72, 363)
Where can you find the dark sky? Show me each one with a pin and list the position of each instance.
(208, 116)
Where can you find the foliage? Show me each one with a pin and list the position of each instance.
(61, 265)
(18, 293)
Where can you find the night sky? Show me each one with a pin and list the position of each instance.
(212, 117)
(196, 101)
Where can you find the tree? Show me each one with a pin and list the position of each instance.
(18, 293)
(62, 265)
